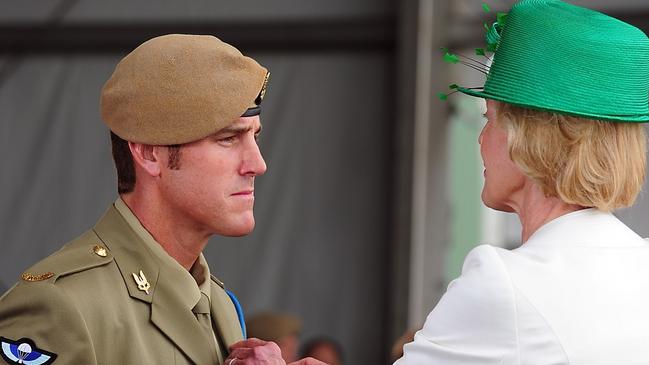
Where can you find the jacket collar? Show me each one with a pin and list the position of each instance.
(586, 227)
(170, 308)
(222, 312)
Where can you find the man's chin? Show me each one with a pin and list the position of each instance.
(238, 230)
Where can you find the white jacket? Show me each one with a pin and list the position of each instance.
(577, 292)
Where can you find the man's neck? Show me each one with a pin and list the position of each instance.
(181, 241)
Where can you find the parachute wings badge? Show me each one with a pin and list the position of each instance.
(24, 351)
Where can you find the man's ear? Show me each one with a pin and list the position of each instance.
(147, 157)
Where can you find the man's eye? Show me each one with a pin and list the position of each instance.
(228, 139)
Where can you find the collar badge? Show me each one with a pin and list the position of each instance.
(142, 282)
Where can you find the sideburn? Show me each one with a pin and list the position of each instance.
(174, 157)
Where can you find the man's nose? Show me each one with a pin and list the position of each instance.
(252, 163)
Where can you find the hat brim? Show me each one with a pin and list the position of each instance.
(251, 112)
(612, 118)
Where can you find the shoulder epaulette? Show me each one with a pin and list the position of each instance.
(217, 281)
(83, 253)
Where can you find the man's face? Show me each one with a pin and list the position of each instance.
(212, 190)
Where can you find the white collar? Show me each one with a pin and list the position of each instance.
(589, 227)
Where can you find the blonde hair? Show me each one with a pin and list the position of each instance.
(586, 162)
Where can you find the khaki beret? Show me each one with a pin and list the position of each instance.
(272, 326)
(177, 88)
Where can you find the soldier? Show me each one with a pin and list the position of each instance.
(183, 111)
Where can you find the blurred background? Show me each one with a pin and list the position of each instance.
(372, 196)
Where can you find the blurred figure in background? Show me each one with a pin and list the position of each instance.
(281, 328)
(324, 349)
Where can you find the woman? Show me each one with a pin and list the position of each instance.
(562, 148)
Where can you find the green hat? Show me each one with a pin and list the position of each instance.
(554, 56)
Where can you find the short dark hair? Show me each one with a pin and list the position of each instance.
(124, 162)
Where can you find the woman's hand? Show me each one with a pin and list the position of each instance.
(308, 361)
(254, 351)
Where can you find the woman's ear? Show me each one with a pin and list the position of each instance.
(147, 157)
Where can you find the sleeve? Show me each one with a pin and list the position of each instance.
(474, 322)
(42, 315)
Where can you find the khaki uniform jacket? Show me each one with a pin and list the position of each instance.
(83, 304)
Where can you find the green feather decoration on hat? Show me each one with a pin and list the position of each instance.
(450, 58)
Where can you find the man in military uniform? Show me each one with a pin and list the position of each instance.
(183, 111)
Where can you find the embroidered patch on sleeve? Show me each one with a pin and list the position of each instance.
(24, 351)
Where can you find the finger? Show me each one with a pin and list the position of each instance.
(308, 361)
(272, 346)
(242, 353)
(251, 342)
(269, 350)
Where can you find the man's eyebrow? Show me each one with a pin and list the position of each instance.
(237, 130)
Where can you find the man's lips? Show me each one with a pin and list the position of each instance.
(244, 193)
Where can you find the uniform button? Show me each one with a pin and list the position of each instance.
(99, 251)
